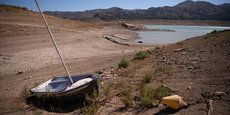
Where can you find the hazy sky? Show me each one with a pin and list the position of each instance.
(80, 5)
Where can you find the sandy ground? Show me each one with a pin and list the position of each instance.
(26, 47)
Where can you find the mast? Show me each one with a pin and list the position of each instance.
(54, 42)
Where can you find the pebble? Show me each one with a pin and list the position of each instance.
(183, 53)
(189, 88)
(194, 59)
(220, 93)
(179, 49)
(20, 72)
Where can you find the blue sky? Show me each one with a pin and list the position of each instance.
(81, 5)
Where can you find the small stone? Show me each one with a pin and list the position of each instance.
(190, 68)
(20, 72)
(160, 105)
(155, 103)
(189, 88)
(220, 93)
(194, 59)
(183, 53)
(179, 49)
(100, 72)
(201, 51)
(140, 41)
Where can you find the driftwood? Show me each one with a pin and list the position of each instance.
(179, 49)
(132, 26)
(113, 39)
(210, 107)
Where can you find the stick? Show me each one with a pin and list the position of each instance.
(54, 42)
(210, 107)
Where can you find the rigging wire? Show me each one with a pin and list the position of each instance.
(54, 42)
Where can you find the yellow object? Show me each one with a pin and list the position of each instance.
(174, 101)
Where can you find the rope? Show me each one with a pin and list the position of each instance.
(54, 42)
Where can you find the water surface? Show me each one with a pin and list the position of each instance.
(181, 33)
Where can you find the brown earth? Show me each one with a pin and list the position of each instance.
(27, 57)
(196, 69)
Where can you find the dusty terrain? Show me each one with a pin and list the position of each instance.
(27, 55)
(197, 67)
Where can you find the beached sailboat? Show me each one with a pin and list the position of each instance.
(65, 87)
(61, 87)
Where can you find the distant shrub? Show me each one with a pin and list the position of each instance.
(129, 72)
(92, 103)
(150, 96)
(107, 92)
(161, 92)
(127, 97)
(146, 95)
(214, 32)
(148, 77)
(90, 110)
(141, 55)
(24, 94)
(163, 70)
(123, 63)
(157, 48)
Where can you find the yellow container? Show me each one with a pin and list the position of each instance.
(174, 101)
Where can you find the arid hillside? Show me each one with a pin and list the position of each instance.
(196, 69)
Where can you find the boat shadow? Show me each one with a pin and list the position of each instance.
(56, 105)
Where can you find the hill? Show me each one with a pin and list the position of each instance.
(195, 10)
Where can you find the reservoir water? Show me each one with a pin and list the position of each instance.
(181, 33)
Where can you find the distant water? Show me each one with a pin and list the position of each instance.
(181, 33)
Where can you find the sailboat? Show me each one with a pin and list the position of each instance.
(65, 87)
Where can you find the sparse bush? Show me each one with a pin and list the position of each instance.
(107, 92)
(92, 103)
(38, 112)
(24, 94)
(214, 32)
(128, 72)
(157, 48)
(90, 110)
(179, 43)
(163, 70)
(123, 63)
(127, 97)
(146, 95)
(141, 55)
(162, 91)
(148, 77)
(150, 96)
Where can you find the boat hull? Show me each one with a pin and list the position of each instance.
(72, 95)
